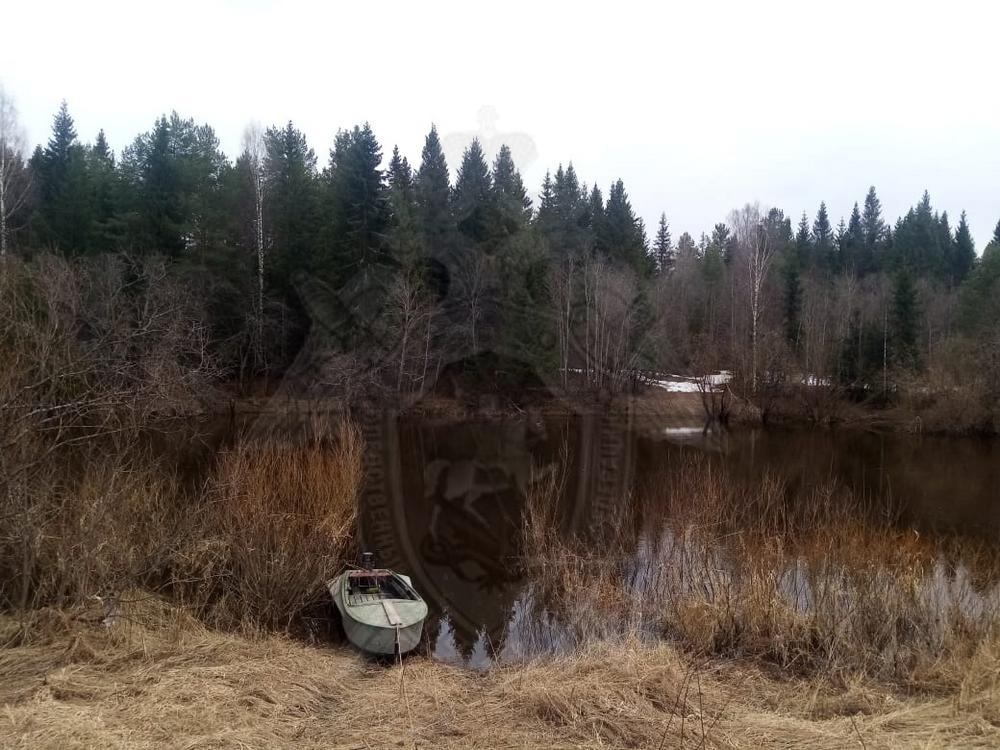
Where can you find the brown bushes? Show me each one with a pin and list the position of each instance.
(248, 547)
(95, 353)
(73, 534)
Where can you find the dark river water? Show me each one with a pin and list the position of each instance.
(443, 501)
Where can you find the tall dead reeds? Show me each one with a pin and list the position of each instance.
(279, 521)
(821, 581)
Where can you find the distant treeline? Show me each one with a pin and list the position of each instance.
(853, 303)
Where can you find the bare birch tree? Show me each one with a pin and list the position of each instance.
(253, 150)
(563, 277)
(611, 346)
(410, 317)
(472, 289)
(753, 242)
(14, 177)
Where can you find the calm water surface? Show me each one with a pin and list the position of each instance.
(444, 501)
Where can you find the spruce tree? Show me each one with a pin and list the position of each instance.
(791, 298)
(569, 199)
(872, 224)
(979, 304)
(964, 252)
(904, 320)
(509, 195)
(158, 225)
(292, 210)
(65, 200)
(996, 234)
(824, 248)
(663, 249)
(400, 176)
(472, 201)
(854, 250)
(56, 157)
(944, 264)
(622, 239)
(358, 204)
(803, 243)
(107, 220)
(433, 192)
(595, 216)
(566, 218)
(546, 216)
(404, 236)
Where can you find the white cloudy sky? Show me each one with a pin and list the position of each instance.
(697, 106)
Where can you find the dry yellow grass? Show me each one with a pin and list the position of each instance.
(159, 679)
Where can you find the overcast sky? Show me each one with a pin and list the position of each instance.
(699, 107)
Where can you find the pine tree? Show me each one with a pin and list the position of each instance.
(433, 192)
(176, 178)
(996, 234)
(964, 252)
(663, 249)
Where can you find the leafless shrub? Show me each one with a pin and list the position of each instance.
(93, 353)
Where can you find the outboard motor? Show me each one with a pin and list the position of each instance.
(368, 560)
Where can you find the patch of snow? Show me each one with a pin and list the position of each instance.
(683, 431)
(678, 386)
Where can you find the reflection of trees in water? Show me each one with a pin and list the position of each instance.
(474, 520)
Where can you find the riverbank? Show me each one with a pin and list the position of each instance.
(158, 678)
(949, 413)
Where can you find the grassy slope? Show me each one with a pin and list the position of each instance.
(159, 679)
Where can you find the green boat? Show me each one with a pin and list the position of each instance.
(381, 612)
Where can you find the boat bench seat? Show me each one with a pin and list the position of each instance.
(367, 598)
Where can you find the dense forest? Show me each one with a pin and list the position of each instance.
(368, 273)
